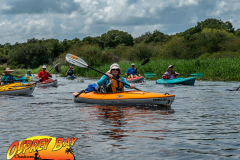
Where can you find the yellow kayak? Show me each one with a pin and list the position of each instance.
(17, 88)
(125, 98)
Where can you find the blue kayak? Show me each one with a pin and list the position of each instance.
(178, 80)
(71, 77)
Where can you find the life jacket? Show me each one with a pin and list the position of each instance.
(8, 79)
(70, 72)
(168, 75)
(115, 86)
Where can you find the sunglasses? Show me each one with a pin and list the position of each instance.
(115, 69)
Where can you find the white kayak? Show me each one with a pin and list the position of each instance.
(17, 89)
(47, 83)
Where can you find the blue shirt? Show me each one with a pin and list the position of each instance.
(131, 71)
(8, 79)
(105, 80)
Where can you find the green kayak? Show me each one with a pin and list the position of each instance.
(178, 80)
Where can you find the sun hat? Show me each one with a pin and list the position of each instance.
(71, 66)
(132, 64)
(115, 66)
(44, 67)
(170, 66)
(29, 71)
(8, 70)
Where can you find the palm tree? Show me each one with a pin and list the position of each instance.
(69, 150)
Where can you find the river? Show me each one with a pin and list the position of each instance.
(203, 122)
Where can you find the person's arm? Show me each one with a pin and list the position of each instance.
(49, 75)
(102, 80)
(165, 74)
(67, 72)
(127, 73)
(124, 81)
(39, 75)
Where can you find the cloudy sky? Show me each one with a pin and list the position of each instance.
(67, 19)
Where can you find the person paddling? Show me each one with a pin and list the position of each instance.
(29, 73)
(132, 72)
(110, 85)
(70, 72)
(8, 78)
(44, 75)
(170, 73)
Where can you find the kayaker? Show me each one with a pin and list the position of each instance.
(70, 72)
(170, 73)
(8, 78)
(132, 72)
(111, 85)
(44, 75)
(29, 73)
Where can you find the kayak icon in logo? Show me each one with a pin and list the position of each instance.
(42, 148)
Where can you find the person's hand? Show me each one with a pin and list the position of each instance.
(131, 86)
(110, 76)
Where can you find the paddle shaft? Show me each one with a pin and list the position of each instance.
(113, 77)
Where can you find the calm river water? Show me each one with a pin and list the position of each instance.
(203, 122)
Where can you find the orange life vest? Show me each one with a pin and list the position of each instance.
(114, 87)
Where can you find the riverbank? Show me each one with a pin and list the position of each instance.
(225, 69)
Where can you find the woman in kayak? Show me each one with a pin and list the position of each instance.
(170, 73)
(44, 75)
(70, 72)
(8, 78)
(111, 85)
(132, 72)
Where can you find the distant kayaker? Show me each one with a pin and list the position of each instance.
(44, 75)
(70, 72)
(8, 78)
(170, 73)
(132, 72)
(111, 85)
(29, 73)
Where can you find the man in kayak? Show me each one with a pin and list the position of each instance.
(170, 73)
(111, 85)
(70, 72)
(132, 72)
(29, 73)
(8, 78)
(44, 75)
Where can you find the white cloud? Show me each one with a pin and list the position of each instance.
(6, 7)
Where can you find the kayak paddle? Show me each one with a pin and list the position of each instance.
(144, 62)
(81, 63)
(149, 75)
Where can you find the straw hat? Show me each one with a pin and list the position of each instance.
(8, 70)
(115, 66)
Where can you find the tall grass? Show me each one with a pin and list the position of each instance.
(212, 69)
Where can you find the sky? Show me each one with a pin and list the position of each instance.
(67, 19)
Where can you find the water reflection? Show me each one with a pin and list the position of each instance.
(122, 121)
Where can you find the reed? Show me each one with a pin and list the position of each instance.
(213, 69)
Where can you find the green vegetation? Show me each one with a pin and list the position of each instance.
(211, 47)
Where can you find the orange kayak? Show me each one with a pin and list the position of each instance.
(125, 98)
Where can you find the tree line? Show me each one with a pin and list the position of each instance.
(210, 38)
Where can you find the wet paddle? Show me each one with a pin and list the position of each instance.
(144, 62)
(81, 63)
(149, 75)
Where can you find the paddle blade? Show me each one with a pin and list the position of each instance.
(197, 75)
(76, 60)
(149, 75)
(146, 61)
